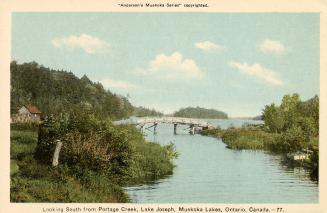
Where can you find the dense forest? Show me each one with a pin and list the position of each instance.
(97, 158)
(198, 112)
(54, 91)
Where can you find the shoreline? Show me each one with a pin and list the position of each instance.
(248, 140)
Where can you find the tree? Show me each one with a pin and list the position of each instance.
(54, 92)
(310, 108)
(290, 108)
(198, 112)
(293, 139)
(273, 118)
(296, 121)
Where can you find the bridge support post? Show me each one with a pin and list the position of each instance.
(192, 130)
(155, 128)
(142, 129)
(175, 128)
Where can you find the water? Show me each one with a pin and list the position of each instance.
(207, 172)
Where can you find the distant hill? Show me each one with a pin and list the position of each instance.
(198, 112)
(54, 91)
(144, 112)
(258, 118)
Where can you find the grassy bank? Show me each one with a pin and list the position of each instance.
(32, 181)
(246, 137)
(83, 174)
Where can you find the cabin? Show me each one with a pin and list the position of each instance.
(27, 114)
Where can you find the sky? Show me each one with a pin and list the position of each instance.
(233, 62)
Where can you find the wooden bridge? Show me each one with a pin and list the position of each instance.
(194, 125)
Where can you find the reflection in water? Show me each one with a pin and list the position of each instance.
(207, 172)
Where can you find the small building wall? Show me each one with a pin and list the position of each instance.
(25, 116)
(23, 111)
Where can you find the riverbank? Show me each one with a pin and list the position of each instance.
(32, 181)
(91, 179)
(254, 137)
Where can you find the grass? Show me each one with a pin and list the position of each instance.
(23, 143)
(248, 139)
(243, 138)
(150, 163)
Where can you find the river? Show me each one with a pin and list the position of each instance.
(207, 172)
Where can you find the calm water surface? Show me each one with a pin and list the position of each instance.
(207, 172)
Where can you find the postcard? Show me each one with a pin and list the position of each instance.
(163, 106)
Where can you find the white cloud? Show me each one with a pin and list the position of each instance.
(116, 84)
(172, 67)
(208, 45)
(89, 44)
(271, 46)
(258, 71)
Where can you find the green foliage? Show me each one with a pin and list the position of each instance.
(296, 121)
(87, 143)
(308, 127)
(24, 126)
(198, 112)
(40, 183)
(245, 138)
(216, 132)
(117, 151)
(14, 168)
(293, 140)
(279, 119)
(293, 113)
(152, 161)
(273, 118)
(23, 143)
(34, 182)
(310, 108)
(56, 91)
(144, 112)
(95, 160)
(294, 124)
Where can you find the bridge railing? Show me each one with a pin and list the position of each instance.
(173, 120)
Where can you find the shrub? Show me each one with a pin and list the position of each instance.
(87, 143)
(293, 140)
(96, 159)
(91, 144)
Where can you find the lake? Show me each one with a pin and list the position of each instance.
(207, 172)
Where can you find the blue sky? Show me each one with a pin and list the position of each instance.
(233, 62)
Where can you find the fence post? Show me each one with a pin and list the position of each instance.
(55, 159)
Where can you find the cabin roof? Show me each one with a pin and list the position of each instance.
(32, 109)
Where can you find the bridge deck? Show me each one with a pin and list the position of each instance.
(170, 120)
(173, 120)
